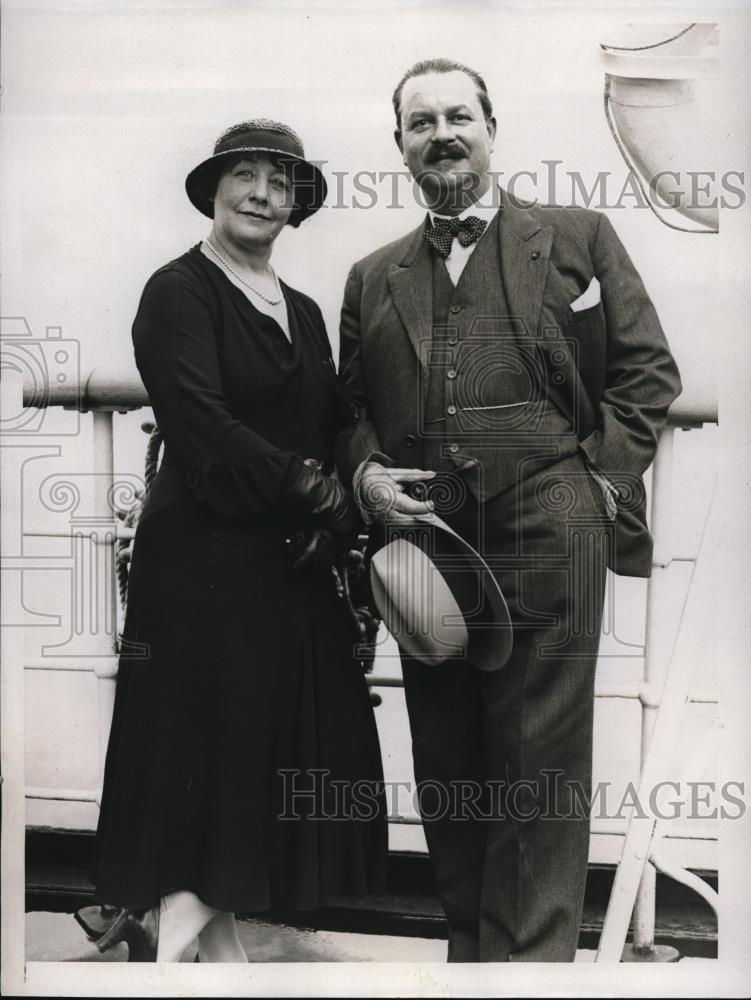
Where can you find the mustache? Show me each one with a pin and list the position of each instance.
(441, 151)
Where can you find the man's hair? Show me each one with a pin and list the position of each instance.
(441, 66)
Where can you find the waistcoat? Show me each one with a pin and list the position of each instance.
(486, 411)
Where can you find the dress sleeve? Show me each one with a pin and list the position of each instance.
(225, 464)
(346, 411)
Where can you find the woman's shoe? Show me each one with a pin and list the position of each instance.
(96, 920)
(140, 931)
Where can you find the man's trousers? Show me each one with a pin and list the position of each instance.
(503, 759)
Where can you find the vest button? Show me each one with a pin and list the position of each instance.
(453, 448)
(456, 309)
(536, 255)
(451, 410)
(451, 373)
(410, 440)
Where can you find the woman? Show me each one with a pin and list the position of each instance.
(240, 713)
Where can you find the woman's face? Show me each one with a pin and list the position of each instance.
(253, 201)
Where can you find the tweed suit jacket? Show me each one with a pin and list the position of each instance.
(608, 368)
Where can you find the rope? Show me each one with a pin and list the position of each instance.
(152, 457)
(130, 520)
(121, 564)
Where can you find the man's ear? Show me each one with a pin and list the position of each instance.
(491, 125)
(398, 140)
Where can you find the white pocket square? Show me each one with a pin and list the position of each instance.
(589, 298)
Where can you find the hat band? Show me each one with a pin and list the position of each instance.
(260, 138)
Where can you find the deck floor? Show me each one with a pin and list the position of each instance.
(56, 937)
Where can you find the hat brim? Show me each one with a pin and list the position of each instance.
(308, 183)
(450, 614)
(416, 603)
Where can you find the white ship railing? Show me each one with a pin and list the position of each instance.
(102, 394)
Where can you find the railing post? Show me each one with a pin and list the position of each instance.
(12, 888)
(94, 597)
(106, 598)
(657, 648)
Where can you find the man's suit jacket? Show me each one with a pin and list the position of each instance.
(609, 368)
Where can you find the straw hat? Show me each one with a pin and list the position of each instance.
(438, 597)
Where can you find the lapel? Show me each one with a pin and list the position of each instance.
(527, 278)
(524, 275)
(525, 244)
(411, 285)
(525, 255)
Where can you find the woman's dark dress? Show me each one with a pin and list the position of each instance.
(236, 676)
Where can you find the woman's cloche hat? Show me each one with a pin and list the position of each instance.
(261, 135)
(438, 597)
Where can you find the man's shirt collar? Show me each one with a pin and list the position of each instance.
(484, 209)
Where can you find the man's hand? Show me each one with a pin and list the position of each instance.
(380, 493)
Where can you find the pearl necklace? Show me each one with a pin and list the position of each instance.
(271, 302)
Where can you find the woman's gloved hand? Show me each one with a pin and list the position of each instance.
(323, 500)
(312, 549)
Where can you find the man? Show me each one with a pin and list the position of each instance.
(507, 360)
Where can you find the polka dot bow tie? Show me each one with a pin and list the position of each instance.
(443, 231)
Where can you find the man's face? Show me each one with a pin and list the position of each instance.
(445, 139)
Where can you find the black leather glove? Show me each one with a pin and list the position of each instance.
(366, 625)
(312, 549)
(324, 499)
